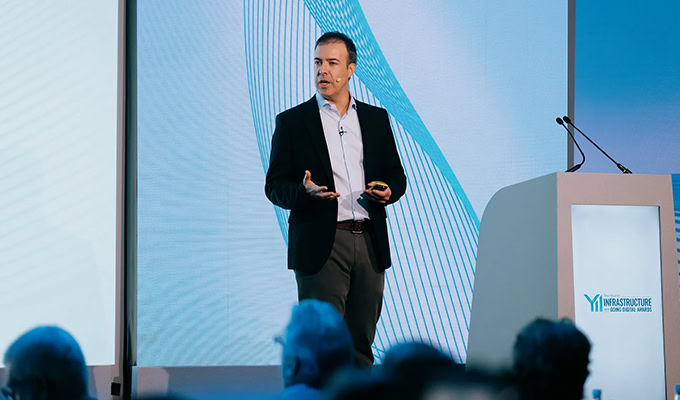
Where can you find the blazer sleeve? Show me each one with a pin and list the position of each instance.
(282, 187)
(394, 171)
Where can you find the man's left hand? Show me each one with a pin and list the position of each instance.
(380, 196)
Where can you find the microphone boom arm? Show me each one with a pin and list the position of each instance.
(574, 168)
(618, 165)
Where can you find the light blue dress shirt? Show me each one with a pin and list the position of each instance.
(346, 151)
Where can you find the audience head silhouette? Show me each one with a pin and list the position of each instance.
(362, 384)
(316, 343)
(474, 383)
(412, 365)
(45, 363)
(405, 357)
(550, 360)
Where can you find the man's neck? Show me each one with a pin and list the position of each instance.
(341, 102)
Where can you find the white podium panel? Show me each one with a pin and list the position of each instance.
(599, 249)
(617, 298)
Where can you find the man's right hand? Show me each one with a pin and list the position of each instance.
(316, 191)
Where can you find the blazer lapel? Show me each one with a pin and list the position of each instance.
(367, 136)
(317, 137)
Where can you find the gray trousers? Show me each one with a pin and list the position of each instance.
(350, 282)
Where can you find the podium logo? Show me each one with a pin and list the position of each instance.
(616, 303)
(595, 303)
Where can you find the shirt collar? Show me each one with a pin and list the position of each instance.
(321, 102)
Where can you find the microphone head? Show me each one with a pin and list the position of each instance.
(338, 80)
(567, 119)
(559, 121)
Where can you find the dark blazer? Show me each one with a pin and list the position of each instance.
(299, 144)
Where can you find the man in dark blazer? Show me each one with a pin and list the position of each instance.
(337, 242)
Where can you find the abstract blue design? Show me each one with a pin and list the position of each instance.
(433, 228)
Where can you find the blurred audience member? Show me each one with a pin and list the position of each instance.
(362, 384)
(412, 366)
(316, 343)
(45, 363)
(472, 385)
(550, 360)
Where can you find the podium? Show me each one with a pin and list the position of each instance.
(598, 249)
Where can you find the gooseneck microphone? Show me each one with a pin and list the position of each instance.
(583, 156)
(618, 165)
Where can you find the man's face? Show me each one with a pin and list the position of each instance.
(332, 70)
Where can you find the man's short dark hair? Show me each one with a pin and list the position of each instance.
(551, 360)
(330, 37)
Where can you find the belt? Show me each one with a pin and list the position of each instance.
(354, 226)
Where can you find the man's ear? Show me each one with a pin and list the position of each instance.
(352, 68)
(290, 368)
(296, 366)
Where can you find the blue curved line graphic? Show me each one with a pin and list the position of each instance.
(346, 16)
(433, 229)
